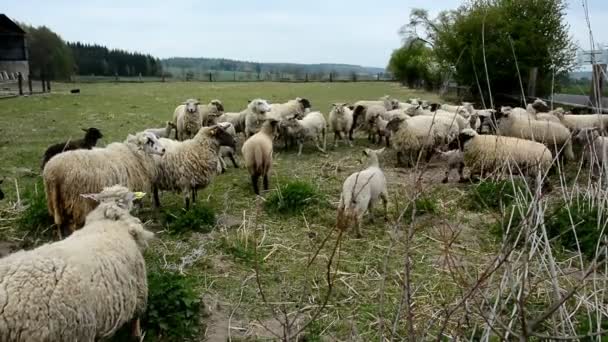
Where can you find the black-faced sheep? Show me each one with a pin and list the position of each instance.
(88, 142)
(257, 153)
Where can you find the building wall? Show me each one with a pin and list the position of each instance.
(14, 67)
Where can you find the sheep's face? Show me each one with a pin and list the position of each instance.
(191, 105)
(219, 107)
(394, 103)
(221, 136)
(459, 142)
(92, 134)
(540, 106)
(304, 103)
(151, 144)
(117, 195)
(338, 108)
(260, 106)
(394, 124)
(585, 135)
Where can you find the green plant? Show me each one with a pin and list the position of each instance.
(36, 215)
(424, 205)
(240, 245)
(494, 194)
(292, 197)
(511, 219)
(200, 218)
(174, 306)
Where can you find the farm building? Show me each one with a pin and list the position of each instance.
(13, 50)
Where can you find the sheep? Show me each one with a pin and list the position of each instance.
(455, 118)
(395, 113)
(210, 112)
(371, 113)
(88, 142)
(499, 153)
(576, 122)
(465, 107)
(340, 122)
(595, 149)
(554, 135)
(164, 132)
(548, 117)
(190, 165)
(538, 106)
(72, 173)
(247, 120)
(454, 160)
(227, 151)
(359, 192)
(360, 108)
(257, 153)
(312, 127)
(187, 119)
(381, 130)
(420, 134)
(298, 107)
(83, 288)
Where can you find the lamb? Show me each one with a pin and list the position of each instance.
(190, 165)
(257, 153)
(312, 127)
(163, 132)
(83, 288)
(227, 151)
(72, 173)
(595, 149)
(247, 120)
(381, 130)
(499, 153)
(371, 113)
(454, 160)
(88, 142)
(187, 119)
(210, 112)
(298, 107)
(340, 122)
(554, 135)
(420, 134)
(360, 108)
(359, 193)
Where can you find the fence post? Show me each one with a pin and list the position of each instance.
(597, 85)
(43, 83)
(48, 85)
(331, 77)
(210, 77)
(20, 78)
(532, 82)
(234, 75)
(29, 83)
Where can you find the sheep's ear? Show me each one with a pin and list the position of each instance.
(94, 197)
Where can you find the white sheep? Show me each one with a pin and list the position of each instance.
(312, 127)
(164, 132)
(420, 134)
(371, 113)
(595, 149)
(497, 154)
(455, 118)
(190, 165)
(298, 107)
(257, 153)
(576, 122)
(380, 129)
(248, 120)
(83, 288)
(210, 112)
(227, 151)
(454, 160)
(187, 119)
(360, 108)
(72, 173)
(340, 122)
(359, 193)
(395, 113)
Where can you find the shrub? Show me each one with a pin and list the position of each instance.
(424, 205)
(494, 194)
(291, 198)
(200, 218)
(174, 306)
(240, 245)
(512, 219)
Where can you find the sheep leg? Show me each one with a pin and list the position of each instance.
(349, 141)
(231, 156)
(388, 141)
(222, 164)
(447, 176)
(337, 136)
(193, 192)
(370, 208)
(384, 197)
(136, 329)
(254, 181)
(318, 144)
(156, 199)
(399, 158)
(461, 173)
(358, 221)
(266, 182)
(300, 145)
(187, 201)
(324, 139)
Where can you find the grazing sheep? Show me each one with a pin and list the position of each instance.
(340, 122)
(595, 149)
(83, 288)
(312, 127)
(190, 165)
(359, 193)
(554, 135)
(498, 154)
(210, 112)
(187, 119)
(454, 160)
(72, 173)
(247, 120)
(163, 132)
(420, 134)
(257, 153)
(227, 151)
(88, 142)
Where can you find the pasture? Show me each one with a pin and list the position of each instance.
(451, 241)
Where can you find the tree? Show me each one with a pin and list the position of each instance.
(535, 30)
(413, 65)
(48, 53)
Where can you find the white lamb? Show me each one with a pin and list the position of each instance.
(164, 132)
(340, 122)
(82, 288)
(595, 149)
(359, 193)
(454, 160)
(227, 151)
(312, 127)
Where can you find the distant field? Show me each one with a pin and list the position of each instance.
(224, 274)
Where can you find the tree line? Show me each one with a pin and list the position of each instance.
(491, 46)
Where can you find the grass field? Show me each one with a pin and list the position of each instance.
(222, 263)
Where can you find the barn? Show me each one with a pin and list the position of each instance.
(13, 50)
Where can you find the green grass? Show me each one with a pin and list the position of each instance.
(285, 243)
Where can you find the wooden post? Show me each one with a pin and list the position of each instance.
(20, 79)
(331, 77)
(532, 82)
(48, 85)
(597, 85)
(43, 83)
(210, 77)
(29, 83)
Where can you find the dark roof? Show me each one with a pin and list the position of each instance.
(8, 26)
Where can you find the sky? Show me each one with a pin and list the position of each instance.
(313, 31)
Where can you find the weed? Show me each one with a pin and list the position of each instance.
(494, 194)
(292, 197)
(200, 218)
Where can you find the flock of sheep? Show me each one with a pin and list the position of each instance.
(87, 285)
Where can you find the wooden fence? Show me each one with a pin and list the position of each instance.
(12, 85)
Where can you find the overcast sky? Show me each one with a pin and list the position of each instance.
(313, 31)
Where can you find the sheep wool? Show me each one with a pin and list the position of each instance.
(312, 127)
(257, 153)
(210, 112)
(72, 173)
(83, 288)
(340, 122)
(187, 119)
